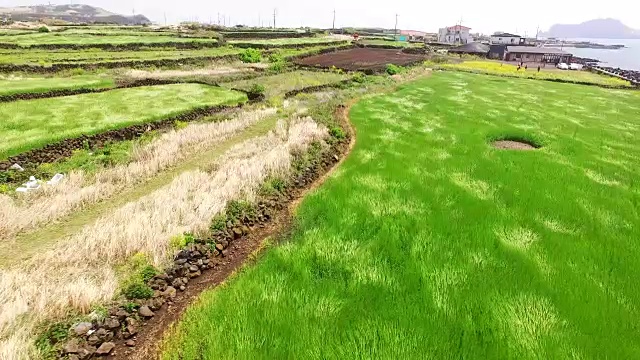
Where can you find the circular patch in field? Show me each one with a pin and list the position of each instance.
(514, 145)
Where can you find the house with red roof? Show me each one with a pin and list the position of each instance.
(457, 34)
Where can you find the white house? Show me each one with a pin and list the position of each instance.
(506, 39)
(455, 35)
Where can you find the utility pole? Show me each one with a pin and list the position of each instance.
(395, 29)
(218, 19)
(165, 19)
(334, 20)
(274, 19)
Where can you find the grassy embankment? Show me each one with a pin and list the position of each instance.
(428, 242)
(278, 85)
(496, 68)
(19, 85)
(34, 123)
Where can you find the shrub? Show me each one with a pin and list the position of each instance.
(50, 338)
(277, 66)
(138, 271)
(276, 57)
(137, 290)
(337, 133)
(273, 186)
(394, 69)
(181, 241)
(43, 29)
(251, 56)
(359, 77)
(180, 124)
(256, 92)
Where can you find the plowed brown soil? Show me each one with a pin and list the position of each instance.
(361, 59)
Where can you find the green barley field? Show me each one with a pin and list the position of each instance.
(16, 84)
(31, 124)
(429, 243)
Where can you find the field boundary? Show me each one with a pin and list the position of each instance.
(241, 250)
(65, 148)
(88, 90)
(316, 88)
(480, 72)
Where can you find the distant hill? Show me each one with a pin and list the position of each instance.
(72, 13)
(593, 29)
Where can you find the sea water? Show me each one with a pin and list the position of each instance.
(627, 58)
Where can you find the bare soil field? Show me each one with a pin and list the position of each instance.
(362, 59)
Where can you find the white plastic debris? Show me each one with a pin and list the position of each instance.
(32, 184)
(55, 180)
(16, 167)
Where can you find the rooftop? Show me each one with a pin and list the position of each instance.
(535, 50)
(505, 35)
(458, 28)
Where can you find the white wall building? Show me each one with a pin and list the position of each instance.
(506, 39)
(455, 35)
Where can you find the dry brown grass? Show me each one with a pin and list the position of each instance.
(165, 74)
(79, 190)
(80, 272)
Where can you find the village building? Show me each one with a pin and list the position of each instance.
(474, 48)
(455, 35)
(506, 39)
(537, 54)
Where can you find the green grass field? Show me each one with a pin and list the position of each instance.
(278, 85)
(19, 85)
(85, 39)
(46, 57)
(287, 41)
(428, 243)
(32, 124)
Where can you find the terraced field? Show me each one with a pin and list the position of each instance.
(439, 236)
(19, 84)
(86, 39)
(42, 57)
(429, 242)
(32, 124)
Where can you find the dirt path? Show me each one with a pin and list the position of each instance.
(242, 253)
(29, 243)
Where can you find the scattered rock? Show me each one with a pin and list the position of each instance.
(145, 312)
(73, 357)
(219, 247)
(237, 233)
(245, 230)
(105, 348)
(112, 324)
(170, 292)
(17, 167)
(93, 340)
(183, 288)
(72, 347)
(86, 352)
(336, 157)
(193, 268)
(81, 329)
(130, 343)
(195, 274)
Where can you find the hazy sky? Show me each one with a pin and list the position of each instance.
(481, 16)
